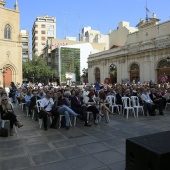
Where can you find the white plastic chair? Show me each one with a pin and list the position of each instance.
(112, 103)
(40, 121)
(38, 108)
(167, 105)
(22, 106)
(60, 118)
(127, 106)
(136, 105)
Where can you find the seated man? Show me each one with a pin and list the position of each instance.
(62, 107)
(79, 107)
(23, 94)
(157, 100)
(46, 110)
(148, 104)
(28, 98)
(33, 104)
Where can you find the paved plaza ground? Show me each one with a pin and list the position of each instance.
(100, 147)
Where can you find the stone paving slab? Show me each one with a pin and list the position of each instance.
(100, 147)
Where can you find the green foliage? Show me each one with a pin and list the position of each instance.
(37, 70)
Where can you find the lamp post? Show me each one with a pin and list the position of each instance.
(3, 71)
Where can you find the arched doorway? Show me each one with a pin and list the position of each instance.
(113, 73)
(134, 73)
(97, 75)
(163, 71)
(7, 77)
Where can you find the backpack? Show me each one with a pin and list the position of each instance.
(3, 132)
(63, 122)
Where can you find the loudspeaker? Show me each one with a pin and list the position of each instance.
(149, 152)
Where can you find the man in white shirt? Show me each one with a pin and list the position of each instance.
(46, 110)
(148, 104)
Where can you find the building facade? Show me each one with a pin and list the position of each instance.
(114, 38)
(44, 28)
(85, 49)
(25, 45)
(10, 45)
(143, 57)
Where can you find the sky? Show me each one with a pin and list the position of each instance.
(73, 15)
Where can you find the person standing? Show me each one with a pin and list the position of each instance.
(12, 92)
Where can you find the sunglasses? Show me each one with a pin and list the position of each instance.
(4, 100)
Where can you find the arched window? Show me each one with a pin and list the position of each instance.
(163, 71)
(7, 32)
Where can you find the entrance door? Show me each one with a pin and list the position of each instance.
(97, 75)
(7, 77)
(134, 73)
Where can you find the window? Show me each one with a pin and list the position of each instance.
(43, 26)
(42, 32)
(42, 38)
(7, 32)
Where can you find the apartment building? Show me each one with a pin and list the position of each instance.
(25, 45)
(44, 28)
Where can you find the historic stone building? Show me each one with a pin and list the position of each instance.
(143, 57)
(10, 45)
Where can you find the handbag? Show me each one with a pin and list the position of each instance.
(3, 132)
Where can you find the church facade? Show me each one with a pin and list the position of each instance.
(144, 57)
(10, 45)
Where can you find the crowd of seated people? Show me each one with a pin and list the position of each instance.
(77, 102)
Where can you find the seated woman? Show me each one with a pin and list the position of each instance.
(91, 107)
(104, 105)
(7, 113)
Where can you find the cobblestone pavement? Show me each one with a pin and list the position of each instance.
(100, 147)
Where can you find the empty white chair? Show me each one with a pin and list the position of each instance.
(127, 106)
(112, 103)
(136, 105)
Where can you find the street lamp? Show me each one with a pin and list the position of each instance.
(3, 71)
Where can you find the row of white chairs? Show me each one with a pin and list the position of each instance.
(129, 104)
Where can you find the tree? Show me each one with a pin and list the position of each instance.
(37, 70)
